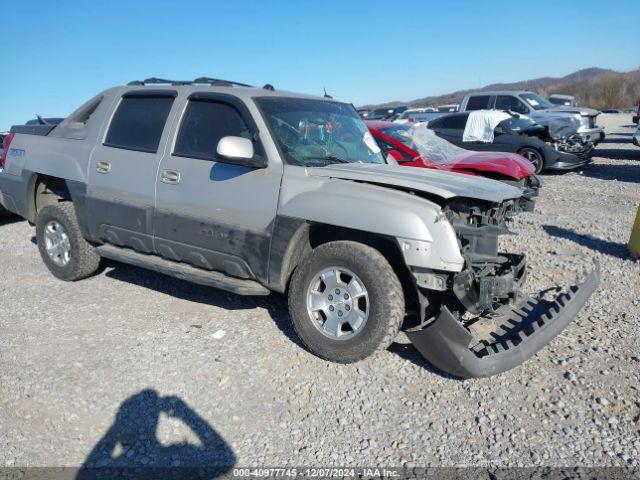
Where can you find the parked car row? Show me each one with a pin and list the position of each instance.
(385, 113)
(418, 115)
(254, 190)
(516, 134)
(552, 134)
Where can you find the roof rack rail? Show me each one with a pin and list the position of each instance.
(214, 82)
(155, 81)
(217, 82)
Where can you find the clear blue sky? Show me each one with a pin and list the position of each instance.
(55, 55)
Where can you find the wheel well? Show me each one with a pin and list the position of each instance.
(46, 190)
(319, 234)
(531, 147)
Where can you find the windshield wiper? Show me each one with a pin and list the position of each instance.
(328, 158)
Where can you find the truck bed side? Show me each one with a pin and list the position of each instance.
(62, 152)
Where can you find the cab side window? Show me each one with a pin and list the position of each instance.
(204, 124)
(507, 102)
(138, 122)
(478, 102)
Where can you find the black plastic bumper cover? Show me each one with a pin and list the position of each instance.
(449, 346)
(569, 161)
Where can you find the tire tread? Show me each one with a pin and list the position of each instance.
(368, 258)
(87, 260)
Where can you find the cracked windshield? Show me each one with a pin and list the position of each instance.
(317, 133)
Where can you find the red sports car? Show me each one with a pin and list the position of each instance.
(420, 147)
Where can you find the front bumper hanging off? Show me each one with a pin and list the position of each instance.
(519, 334)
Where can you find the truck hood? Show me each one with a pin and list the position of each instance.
(584, 111)
(443, 184)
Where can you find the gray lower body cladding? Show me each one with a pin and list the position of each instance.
(183, 271)
(521, 331)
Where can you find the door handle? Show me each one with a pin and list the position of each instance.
(103, 167)
(170, 176)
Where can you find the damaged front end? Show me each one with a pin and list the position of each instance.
(577, 146)
(530, 188)
(562, 136)
(481, 324)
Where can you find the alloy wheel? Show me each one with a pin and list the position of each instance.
(338, 303)
(57, 244)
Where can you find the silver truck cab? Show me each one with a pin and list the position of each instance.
(536, 107)
(256, 190)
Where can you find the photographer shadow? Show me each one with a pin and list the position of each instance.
(131, 448)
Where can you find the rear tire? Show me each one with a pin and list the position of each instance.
(62, 247)
(352, 283)
(534, 156)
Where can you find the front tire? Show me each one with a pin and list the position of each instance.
(346, 302)
(62, 247)
(534, 156)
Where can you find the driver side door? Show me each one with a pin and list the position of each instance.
(211, 214)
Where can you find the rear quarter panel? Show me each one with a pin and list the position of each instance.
(57, 157)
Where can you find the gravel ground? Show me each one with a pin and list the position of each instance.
(166, 372)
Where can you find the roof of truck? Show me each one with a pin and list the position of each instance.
(499, 92)
(206, 84)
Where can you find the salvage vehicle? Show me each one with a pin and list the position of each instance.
(517, 134)
(254, 190)
(418, 115)
(537, 108)
(417, 146)
(386, 113)
(449, 108)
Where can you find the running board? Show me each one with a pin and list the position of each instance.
(182, 271)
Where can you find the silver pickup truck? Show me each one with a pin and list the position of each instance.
(539, 109)
(255, 190)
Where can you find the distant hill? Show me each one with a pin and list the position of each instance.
(594, 87)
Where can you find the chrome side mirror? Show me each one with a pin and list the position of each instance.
(239, 151)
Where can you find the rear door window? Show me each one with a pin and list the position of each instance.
(139, 122)
(478, 102)
(204, 124)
